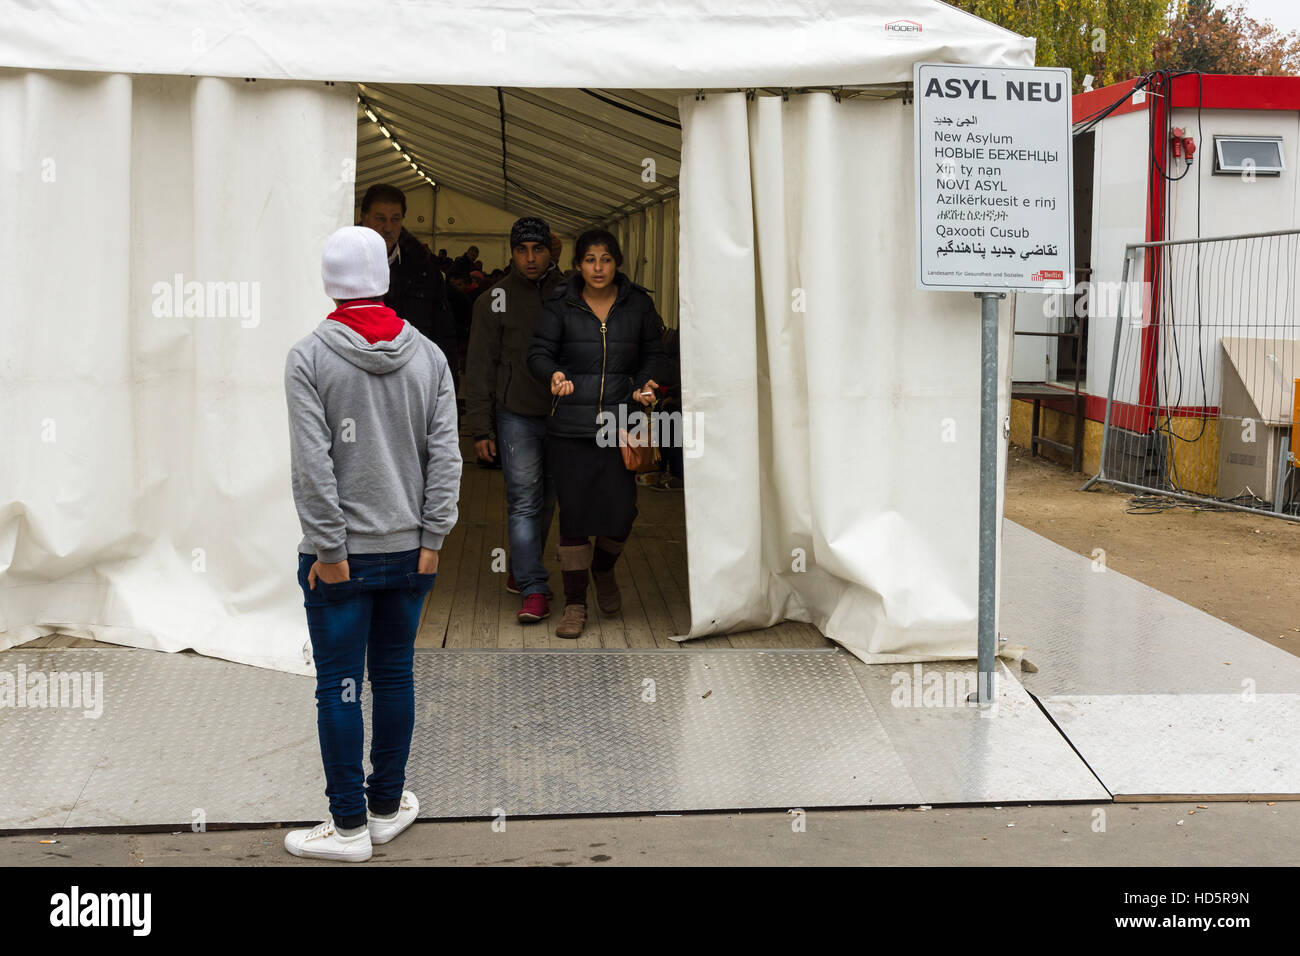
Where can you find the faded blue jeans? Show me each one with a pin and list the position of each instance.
(530, 496)
(367, 622)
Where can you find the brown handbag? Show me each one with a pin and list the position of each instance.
(639, 453)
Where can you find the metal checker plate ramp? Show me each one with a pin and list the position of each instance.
(180, 739)
(527, 732)
(573, 732)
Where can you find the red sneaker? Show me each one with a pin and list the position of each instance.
(535, 608)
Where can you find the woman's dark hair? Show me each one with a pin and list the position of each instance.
(596, 237)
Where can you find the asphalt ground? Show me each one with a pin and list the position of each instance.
(1115, 834)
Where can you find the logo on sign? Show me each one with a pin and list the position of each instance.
(902, 27)
(1047, 274)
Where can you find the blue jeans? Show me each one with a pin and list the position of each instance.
(369, 621)
(530, 496)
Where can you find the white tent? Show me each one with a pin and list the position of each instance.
(161, 218)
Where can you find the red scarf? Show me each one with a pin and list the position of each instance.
(370, 318)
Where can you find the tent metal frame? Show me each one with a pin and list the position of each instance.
(456, 136)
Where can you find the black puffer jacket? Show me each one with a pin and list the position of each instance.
(604, 368)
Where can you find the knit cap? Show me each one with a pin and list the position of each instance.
(530, 229)
(354, 264)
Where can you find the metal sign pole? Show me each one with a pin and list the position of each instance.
(994, 214)
(987, 648)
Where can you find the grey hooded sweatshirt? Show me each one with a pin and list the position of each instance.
(375, 458)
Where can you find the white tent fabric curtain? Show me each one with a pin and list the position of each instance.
(162, 244)
(834, 477)
(649, 239)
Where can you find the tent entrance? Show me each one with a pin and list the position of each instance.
(471, 160)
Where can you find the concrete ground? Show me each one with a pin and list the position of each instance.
(1150, 834)
(1231, 564)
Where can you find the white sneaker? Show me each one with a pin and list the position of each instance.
(325, 843)
(381, 831)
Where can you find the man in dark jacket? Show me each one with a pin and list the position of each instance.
(415, 285)
(497, 380)
(464, 264)
(462, 312)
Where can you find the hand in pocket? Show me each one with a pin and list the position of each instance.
(329, 573)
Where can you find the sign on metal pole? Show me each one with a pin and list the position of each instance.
(994, 214)
(994, 190)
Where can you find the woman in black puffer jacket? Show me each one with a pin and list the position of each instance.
(599, 345)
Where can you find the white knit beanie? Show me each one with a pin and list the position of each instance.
(354, 264)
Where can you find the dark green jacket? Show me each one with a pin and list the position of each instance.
(496, 369)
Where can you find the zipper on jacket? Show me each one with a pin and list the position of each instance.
(600, 400)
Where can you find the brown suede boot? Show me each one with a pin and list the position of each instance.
(604, 555)
(575, 619)
(608, 598)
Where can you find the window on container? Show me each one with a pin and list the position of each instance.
(1239, 154)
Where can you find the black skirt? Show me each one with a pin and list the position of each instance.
(595, 491)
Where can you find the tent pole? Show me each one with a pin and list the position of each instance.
(987, 647)
(434, 238)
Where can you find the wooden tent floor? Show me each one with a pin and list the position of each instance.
(470, 607)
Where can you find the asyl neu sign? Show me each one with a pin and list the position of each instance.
(994, 181)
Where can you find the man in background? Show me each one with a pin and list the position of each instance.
(416, 291)
(464, 264)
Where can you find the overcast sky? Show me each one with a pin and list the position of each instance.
(1285, 14)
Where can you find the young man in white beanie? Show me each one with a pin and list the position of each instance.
(376, 469)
